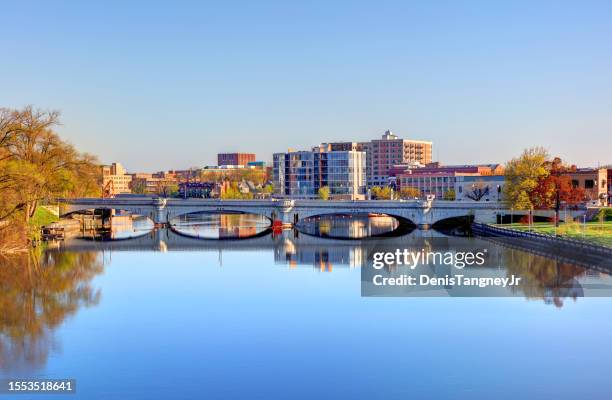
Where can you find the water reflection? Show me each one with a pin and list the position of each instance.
(356, 226)
(119, 227)
(220, 226)
(38, 291)
(551, 280)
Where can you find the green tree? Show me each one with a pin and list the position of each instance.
(268, 189)
(522, 176)
(381, 193)
(36, 166)
(409, 193)
(139, 187)
(324, 193)
(450, 195)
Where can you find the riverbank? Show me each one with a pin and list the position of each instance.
(568, 249)
(18, 237)
(596, 232)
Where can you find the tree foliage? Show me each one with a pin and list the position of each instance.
(533, 181)
(409, 193)
(450, 195)
(36, 165)
(381, 193)
(523, 175)
(324, 193)
(233, 193)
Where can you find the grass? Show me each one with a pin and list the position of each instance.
(595, 231)
(42, 217)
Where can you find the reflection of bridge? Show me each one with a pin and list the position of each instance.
(168, 240)
(420, 212)
(293, 248)
(289, 247)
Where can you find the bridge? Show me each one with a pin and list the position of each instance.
(422, 213)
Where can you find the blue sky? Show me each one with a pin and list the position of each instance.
(168, 85)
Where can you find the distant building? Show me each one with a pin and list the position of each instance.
(479, 188)
(158, 184)
(382, 154)
(595, 182)
(235, 158)
(300, 174)
(609, 186)
(202, 190)
(115, 180)
(469, 182)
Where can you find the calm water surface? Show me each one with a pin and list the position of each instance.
(166, 315)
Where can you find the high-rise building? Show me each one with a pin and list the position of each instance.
(235, 158)
(300, 174)
(384, 153)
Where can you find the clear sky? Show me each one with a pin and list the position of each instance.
(168, 85)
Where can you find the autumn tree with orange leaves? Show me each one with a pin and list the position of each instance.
(556, 187)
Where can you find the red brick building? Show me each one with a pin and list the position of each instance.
(235, 158)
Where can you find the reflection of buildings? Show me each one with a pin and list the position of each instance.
(349, 226)
(323, 258)
(236, 226)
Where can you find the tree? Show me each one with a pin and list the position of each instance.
(556, 187)
(36, 165)
(324, 193)
(450, 195)
(139, 186)
(268, 189)
(166, 188)
(233, 193)
(522, 175)
(477, 191)
(381, 193)
(409, 193)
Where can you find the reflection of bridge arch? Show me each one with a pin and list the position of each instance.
(175, 216)
(134, 210)
(453, 222)
(404, 225)
(177, 224)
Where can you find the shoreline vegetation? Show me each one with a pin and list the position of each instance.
(37, 166)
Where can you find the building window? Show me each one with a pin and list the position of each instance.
(589, 184)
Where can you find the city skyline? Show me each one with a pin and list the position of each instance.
(162, 88)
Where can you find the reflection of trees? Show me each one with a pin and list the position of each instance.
(37, 293)
(543, 278)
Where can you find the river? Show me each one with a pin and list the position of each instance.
(143, 314)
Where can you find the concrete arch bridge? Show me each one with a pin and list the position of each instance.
(422, 213)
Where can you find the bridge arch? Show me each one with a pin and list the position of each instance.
(404, 225)
(219, 225)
